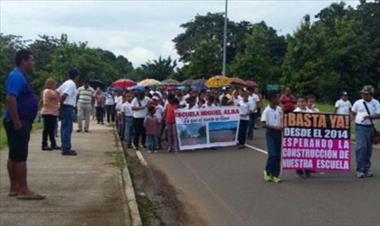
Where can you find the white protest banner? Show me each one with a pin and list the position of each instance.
(209, 127)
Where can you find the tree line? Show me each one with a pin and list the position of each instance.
(338, 49)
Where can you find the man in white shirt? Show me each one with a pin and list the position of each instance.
(127, 112)
(85, 99)
(68, 93)
(366, 111)
(253, 102)
(140, 110)
(343, 105)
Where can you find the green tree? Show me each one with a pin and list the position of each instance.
(205, 62)
(160, 69)
(262, 55)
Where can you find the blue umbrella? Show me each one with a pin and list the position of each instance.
(138, 88)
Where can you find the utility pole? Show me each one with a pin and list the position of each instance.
(224, 72)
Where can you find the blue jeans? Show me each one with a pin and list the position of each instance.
(273, 166)
(152, 142)
(242, 136)
(251, 126)
(128, 130)
(66, 115)
(363, 148)
(121, 129)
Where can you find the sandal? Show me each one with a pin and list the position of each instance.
(31, 197)
(12, 193)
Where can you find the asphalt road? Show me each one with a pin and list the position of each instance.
(225, 187)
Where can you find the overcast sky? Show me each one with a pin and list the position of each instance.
(140, 30)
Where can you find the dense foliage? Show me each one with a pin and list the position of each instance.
(338, 50)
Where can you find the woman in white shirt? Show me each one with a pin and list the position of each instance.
(244, 119)
(140, 110)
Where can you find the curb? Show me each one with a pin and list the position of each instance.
(129, 192)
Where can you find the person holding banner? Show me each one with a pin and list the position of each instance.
(365, 111)
(311, 104)
(244, 105)
(303, 107)
(272, 121)
(169, 116)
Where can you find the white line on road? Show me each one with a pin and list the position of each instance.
(209, 189)
(141, 158)
(256, 149)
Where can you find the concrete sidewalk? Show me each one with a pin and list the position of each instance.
(82, 190)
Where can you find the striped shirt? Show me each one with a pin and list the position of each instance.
(85, 95)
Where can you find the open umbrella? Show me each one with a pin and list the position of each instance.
(97, 83)
(137, 87)
(149, 82)
(123, 83)
(218, 81)
(199, 82)
(237, 81)
(249, 83)
(170, 82)
(187, 82)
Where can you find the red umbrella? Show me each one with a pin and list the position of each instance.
(123, 83)
(250, 83)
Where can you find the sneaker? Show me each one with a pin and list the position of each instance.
(360, 175)
(156, 151)
(369, 174)
(241, 146)
(79, 130)
(170, 149)
(299, 173)
(46, 148)
(150, 152)
(276, 179)
(86, 131)
(267, 177)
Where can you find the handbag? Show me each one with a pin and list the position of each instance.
(376, 134)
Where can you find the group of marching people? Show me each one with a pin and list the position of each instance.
(144, 118)
(364, 112)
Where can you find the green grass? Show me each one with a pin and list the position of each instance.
(119, 160)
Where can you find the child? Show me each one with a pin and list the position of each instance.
(311, 104)
(170, 123)
(244, 119)
(152, 128)
(302, 106)
(271, 119)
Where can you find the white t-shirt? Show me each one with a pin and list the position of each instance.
(343, 107)
(244, 110)
(142, 113)
(254, 97)
(109, 99)
(272, 117)
(207, 106)
(312, 110)
(159, 112)
(70, 88)
(126, 108)
(195, 107)
(119, 106)
(298, 109)
(361, 112)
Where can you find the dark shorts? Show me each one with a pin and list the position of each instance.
(18, 141)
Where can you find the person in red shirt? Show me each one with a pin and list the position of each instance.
(288, 101)
(170, 123)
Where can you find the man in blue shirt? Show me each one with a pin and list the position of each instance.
(22, 107)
